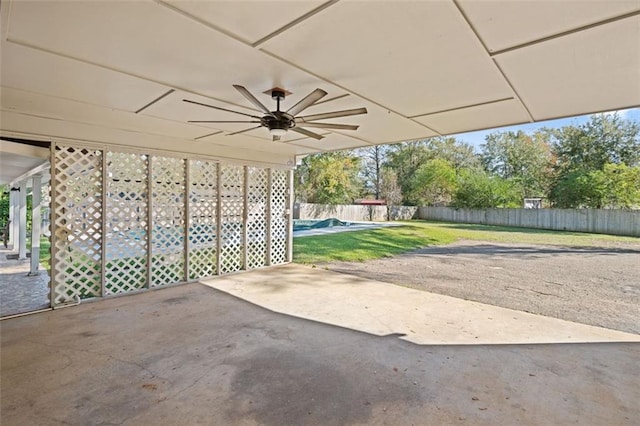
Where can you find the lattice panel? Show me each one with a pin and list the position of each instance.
(232, 210)
(203, 203)
(126, 222)
(279, 220)
(167, 220)
(257, 193)
(77, 177)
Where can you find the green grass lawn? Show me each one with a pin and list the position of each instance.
(358, 246)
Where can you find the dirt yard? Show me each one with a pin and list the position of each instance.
(596, 286)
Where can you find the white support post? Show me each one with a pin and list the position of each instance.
(22, 221)
(36, 222)
(13, 209)
(290, 217)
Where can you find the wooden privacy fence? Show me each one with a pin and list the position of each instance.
(356, 213)
(600, 221)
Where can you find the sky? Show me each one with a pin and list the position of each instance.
(477, 138)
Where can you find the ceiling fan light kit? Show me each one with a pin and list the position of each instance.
(280, 122)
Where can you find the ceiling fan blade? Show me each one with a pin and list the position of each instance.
(221, 109)
(242, 131)
(307, 133)
(216, 121)
(329, 125)
(253, 100)
(309, 100)
(334, 114)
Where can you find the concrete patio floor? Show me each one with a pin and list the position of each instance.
(310, 347)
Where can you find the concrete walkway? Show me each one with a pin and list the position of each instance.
(19, 292)
(413, 315)
(192, 354)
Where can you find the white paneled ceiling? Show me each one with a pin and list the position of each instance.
(117, 72)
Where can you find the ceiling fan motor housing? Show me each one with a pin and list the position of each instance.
(282, 120)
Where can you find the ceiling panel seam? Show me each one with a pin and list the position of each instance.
(151, 116)
(207, 135)
(156, 100)
(504, 76)
(202, 22)
(127, 73)
(464, 107)
(326, 80)
(564, 33)
(294, 22)
(90, 123)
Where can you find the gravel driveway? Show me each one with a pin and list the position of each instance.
(589, 285)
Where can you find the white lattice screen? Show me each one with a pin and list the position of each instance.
(121, 220)
(257, 196)
(167, 220)
(279, 220)
(203, 225)
(77, 224)
(126, 222)
(232, 218)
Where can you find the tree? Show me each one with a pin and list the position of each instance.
(459, 154)
(616, 186)
(605, 139)
(524, 159)
(406, 158)
(434, 183)
(328, 178)
(372, 161)
(390, 189)
(596, 163)
(477, 189)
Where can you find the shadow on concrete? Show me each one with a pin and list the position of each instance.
(195, 355)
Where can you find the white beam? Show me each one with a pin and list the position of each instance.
(22, 221)
(36, 221)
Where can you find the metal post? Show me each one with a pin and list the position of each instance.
(22, 222)
(36, 223)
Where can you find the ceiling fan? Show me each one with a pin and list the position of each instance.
(280, 122)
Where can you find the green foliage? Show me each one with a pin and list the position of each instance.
(597, 164)
(616, 186)
(478, 189)
(604, 139)
(4, 205)
(408, 157)
(330, 178)
(524, 159)
(434, 183)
